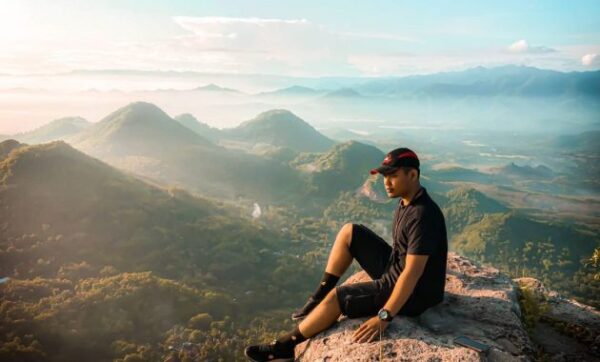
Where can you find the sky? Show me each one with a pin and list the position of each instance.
(296, 38)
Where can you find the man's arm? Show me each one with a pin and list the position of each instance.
(415, 264)
(421, 244)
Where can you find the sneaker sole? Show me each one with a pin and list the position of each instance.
(272, 360)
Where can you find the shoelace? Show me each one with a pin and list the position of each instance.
(268, 348)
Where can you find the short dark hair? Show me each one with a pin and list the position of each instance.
(406, 169)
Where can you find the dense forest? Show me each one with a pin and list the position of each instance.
(99, 265)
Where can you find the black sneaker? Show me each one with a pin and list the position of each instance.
(273, 351)
(305, 310)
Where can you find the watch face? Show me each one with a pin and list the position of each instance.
(383, 314)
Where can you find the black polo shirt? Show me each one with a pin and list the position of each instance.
(420, 228)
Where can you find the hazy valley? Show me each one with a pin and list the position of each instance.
(145, 225)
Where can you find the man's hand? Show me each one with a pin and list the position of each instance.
(369, 330)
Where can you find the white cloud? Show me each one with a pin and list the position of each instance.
(292, 47)
(261, 45)
(383, 36)
(523, 47)
(519, 46)
(590, 60)
(187, 21)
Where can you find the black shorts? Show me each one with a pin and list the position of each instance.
(366, 298)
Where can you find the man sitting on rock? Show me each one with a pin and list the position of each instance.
(407, 279)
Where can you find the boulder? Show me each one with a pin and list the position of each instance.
(567, 330)
(480, 302)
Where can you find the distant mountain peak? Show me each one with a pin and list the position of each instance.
(343, 93)
(299, 88)
(281, 127)
(139, 106)
(275, 117)
(215, 88)
(512, 169)
(505, 80)
(187, 117)
(277, 114)
(57, 129)
(189, 121)
(138, 125)
(136, 112)
(294, 90)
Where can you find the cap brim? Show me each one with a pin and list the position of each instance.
(383, 170)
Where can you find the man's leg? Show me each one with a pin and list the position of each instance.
(322, 317)
(328, 310)
(319, 319)
(339, 256)
(372, 254)
(339, 260)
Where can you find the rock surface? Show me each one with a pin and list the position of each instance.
(567, 330)
(480, 303)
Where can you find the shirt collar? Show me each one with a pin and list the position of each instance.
(417, 195)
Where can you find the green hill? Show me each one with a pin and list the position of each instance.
(141, 138)
(344, 167)
(202, 129)
(138, 128)
(279, 127)
(118, 219)
(103, 266)
(466, 206)
(58, 129)
(7, 146)
(521, 246)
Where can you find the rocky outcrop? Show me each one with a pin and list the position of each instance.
(480, 303)
(565, 330)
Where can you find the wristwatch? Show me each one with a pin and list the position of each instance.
(385, 315)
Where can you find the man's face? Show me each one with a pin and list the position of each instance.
(398, 183)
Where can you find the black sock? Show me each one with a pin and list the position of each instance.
(327, 283)
(291, 339)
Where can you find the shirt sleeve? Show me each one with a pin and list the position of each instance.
(421, 235)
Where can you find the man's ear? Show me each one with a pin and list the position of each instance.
(414, 175)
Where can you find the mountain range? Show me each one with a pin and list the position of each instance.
(143, 139)
(508, 80)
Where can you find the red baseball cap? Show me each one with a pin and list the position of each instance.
(399, 157)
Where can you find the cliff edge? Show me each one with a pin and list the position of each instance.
(481, 303)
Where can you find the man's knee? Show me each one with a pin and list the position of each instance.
(332, 301)
(347, 231)
(331, 296)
